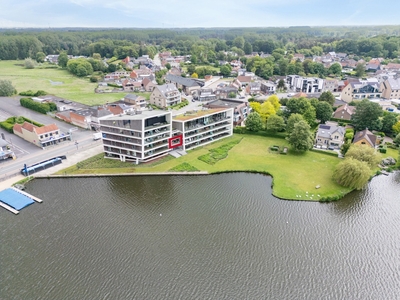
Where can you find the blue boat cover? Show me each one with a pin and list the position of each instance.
(15, 199)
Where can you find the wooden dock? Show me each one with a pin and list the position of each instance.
(9, 208)
(28, 195)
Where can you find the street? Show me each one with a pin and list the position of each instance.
(28, 153)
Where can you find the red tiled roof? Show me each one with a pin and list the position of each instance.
(46, 128)
(28, 126)
(17, 127)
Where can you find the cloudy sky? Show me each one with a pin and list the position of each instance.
(188, 13)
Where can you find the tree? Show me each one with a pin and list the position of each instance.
(301, 138)
(111, 68)
(191, 69)
(323, 111)
(274, 100)
(352, 173)
(275, 123)
(40, 56)
(6, 88)
(335, 69)
(63, 59)
(396, 127)
(232, 95)
(367, 115)
(301, 106)
(253, 122)
(360, 69)
(364, 153)
(225, 70)
(29, 63)
(389, 119)
(168, 66)
(293, 119)
(281, 85)
(397, 140)
(248, 48)
(238, 42)
(96, 56)
(266, 110)
(327, 97)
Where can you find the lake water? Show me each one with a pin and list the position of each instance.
(199, 237)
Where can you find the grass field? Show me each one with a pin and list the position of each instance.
(72, 87)
(296, 175)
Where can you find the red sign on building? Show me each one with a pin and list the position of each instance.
(175, 141)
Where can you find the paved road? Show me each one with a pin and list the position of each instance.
(28, 153)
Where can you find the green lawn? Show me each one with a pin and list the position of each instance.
(72, 87)
(294, 174)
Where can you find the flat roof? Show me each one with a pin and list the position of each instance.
(143, 115)
(189, 115)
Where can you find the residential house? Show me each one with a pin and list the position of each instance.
(165, 95)
(98, 113)
(365, 137)
(331, 85)
(253, 88)
(204, 95)
(329, 136)
(304, 84)
(187, 85)
(223, 92)
(361, 89)
(119, 108)
(268, 87)
(135, 100)
(391, 88)
(244, 80)
(148, 85)
(392, 67)
(241, 109)
(81, 118)
(299, 56)
(40, 136)
(344, 112)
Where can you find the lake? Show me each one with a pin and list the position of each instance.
(199, 237)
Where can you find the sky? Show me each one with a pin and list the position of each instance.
(189, 13)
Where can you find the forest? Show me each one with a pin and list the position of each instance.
(205, 43)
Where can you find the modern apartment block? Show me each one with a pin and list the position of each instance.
(198, 128)
(147, 135)
(137, 137)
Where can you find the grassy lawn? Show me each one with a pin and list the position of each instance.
(295, 175)
(72, 88)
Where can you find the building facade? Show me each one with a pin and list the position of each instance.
(202, 127)
(165, 95)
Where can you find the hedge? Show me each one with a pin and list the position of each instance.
(243, 130)
(326, 152)
(43, 108)
(7, 126)
(33, 94)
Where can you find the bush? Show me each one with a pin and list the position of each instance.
(30, 93)
(7, 126)
(184, 167)
(382, 150)
(239, 130)
(43, 108)
(218, 153)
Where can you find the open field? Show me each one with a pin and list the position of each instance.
(47, 79)
(296, 175)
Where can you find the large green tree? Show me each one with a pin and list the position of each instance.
(254, 122)
(6, 88)
(352, 173)
(63, 59)
(327, 97)
(335, 69)
(301, 138)
(323, 111)
(388, 120)
(275, 123)
(301, 106)
(40, 56)
(360, 69)
(367, 115)
(292, 120)
(364, 153)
